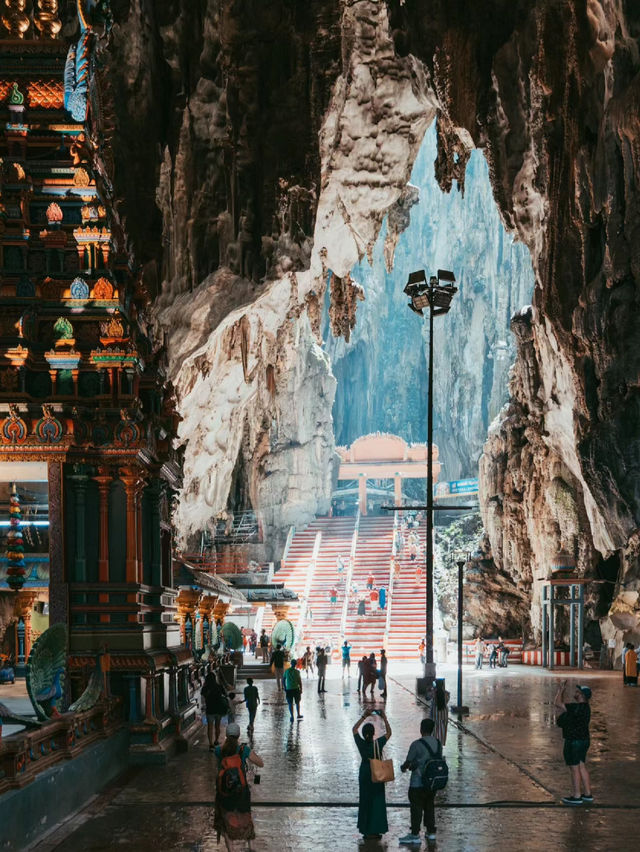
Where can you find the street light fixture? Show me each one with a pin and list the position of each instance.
(436, 295)
(461, 558)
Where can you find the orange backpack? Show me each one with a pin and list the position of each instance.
(231, 776)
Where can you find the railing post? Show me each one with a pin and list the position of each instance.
(349, 575)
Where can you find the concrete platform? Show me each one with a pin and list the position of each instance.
(506, 775)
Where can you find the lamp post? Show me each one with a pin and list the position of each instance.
(461, 559)
(436, 295)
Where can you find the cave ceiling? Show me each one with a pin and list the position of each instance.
(259, 146)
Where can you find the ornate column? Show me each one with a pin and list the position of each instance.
(155, 492)
(130, 480)
(139, 549)
(80, 481)
(104, 480)
(58, 588)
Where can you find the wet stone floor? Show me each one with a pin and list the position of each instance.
(506, 775)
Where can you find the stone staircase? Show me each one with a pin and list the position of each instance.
(407, 621)
(365, 633)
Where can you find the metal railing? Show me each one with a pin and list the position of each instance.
(387, 626)
(302, 615)
(349, 576)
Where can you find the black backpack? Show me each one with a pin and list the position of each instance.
(435, 772)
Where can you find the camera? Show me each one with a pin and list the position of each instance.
(256, 779)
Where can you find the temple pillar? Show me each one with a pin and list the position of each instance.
(80, 481)
(139, 550)
(362, 494)
(58, 588)
(155, 492)
(104, 480)
(130, 480)
(397, 489)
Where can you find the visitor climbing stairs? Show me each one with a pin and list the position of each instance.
(407, 619)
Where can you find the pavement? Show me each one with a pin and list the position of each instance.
(506, 774)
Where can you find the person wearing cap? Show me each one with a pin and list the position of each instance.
(232, 814)
(574, 720)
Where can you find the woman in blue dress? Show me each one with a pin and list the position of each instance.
(372, 809)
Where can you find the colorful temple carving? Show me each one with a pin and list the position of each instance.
(84, 426)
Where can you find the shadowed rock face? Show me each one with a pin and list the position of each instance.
(276, 136)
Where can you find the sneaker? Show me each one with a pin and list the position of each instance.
(587, 797)
(300, 717)
(430, 835)
(572, 800)
(410, 839)
(212, 748)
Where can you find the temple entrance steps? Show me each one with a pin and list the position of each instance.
(365, 633)
(407, 623)
(258, 671)
(324, 623)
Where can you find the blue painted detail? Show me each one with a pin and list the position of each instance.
(79, 289)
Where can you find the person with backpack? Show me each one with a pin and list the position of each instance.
(232, 813)
(429, 774)
(293, 689)
(215, 705)
(574, 717)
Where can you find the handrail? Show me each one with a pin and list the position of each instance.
(287, 544)
(302, 615)
(349, 576)
(387, 625)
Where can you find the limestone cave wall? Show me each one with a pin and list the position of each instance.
(260, 146)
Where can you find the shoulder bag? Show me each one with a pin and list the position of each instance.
(381, 770)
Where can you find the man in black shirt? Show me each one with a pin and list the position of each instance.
(277, 661)
(574, 720)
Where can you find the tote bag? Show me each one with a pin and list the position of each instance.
(381, 770)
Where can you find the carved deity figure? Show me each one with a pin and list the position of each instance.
(94, 15)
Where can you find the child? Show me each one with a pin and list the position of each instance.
(251, 699)
(233, 703)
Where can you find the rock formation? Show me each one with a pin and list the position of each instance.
(219, 106)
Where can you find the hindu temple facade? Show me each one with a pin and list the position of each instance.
(85, 427)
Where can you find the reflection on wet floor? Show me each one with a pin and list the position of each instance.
(508, 751)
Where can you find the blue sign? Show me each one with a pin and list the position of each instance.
(464, 486)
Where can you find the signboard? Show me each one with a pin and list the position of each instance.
(464, 486)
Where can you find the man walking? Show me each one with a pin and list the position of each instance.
(370, 580)
(293, 689)
(264, 645)
(421, 800)
(321, 664)
(277, 661)
(251, 699)
(346, 658)
(383, 673)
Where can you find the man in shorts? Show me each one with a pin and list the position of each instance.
(574, 717)
(346, 658)
(293, 688)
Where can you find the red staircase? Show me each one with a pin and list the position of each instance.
(365, 633)
(407, 625)
(337, 534)
(293, 573)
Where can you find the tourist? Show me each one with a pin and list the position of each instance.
(374, 597)
(251, 699)
(277, 664)
(421, 800)
(232, 809)
(370, 580)
(493, 655)
(419, 574)
(630, 666)
(574, 720)
(253, 642)
(382, 597)
(370, 674)
(321, 665)
(264, 645)
(214, 702)
(346, 658)
(340, 564)
(233, 702)
(333, 596)
(503, 653)
(308, 660)
(422, 647)
(372, 805)
(293, 689)
(479, 650)
(362, 606)
(413, 551)
(309, 616)
(439, 711)
(382, 681)
(362, 664)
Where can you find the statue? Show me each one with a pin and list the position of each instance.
(93, 16)
(46, 671)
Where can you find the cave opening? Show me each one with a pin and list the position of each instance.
(381, 371)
